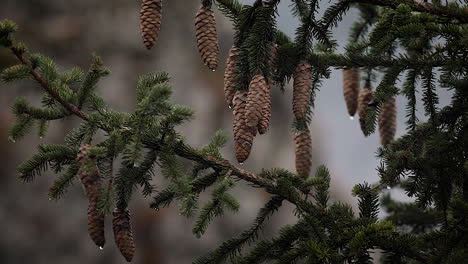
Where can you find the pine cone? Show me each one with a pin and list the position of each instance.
(89, 177)
(95, 217)
(264, 122)
(303, 143)
(302, 89)
(230, 75)
(243, 134)
(150, 21)
(351, 82)
(387, 121)
(365, 97)
(207, 39)
(258, 89)
(123, 233)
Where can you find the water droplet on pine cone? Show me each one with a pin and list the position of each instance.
(229, 106)
(101, 247)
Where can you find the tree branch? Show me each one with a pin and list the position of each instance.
(442, 11)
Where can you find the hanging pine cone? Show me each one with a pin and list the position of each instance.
(123, 233)
(95, 217)
(243, 134)
(230, 75)
(258, 89)
(264, 122)
(303, 147)
(387, 121)
(302, 89)
(351, 84)
(365, 97)
(89, 177)
(207, 39)
(150, 21)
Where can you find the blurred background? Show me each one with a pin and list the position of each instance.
(43, 231)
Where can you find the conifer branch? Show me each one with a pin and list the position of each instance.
(46, 87)
(420, 6)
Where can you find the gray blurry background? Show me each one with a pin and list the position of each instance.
(37, 230)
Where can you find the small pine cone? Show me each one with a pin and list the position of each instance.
(123, 233)
(207, 39)
(95, 217)
(303, 143)
(150, 21)
(89, 177)
(387, 121)
(258, 89)
(230, 75)
(365, 97)
(351, 84)
(302, 89)
(243, 134)
(264, 122)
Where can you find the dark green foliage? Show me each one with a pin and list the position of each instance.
(423, 42)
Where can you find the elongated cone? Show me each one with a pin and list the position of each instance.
(351, 81)
(264, 122)
(303, 147)
(258, 89)
(150, 21)
(302, 89)
(365, 97)
(89, 177)
(95, 217)
(243, 134)
(207, 39)
(387, 121)
(123, 233)
(230, 75)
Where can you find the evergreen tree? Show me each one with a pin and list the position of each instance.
(423, 43)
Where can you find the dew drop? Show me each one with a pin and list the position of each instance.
(101, 247)
(41, 137)
(351, 117)
(229, 106)
(214, 70)
(241, 163)
(388, 187)
(50, 199)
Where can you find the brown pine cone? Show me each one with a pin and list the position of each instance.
(150, 21)
(264, 122)
(302, 89)
(243, 134)
(207, 39)
(303, 146)
(123, 233)
(258, 89)
(230, 75)
(365, 97)
(95, 217)
(387, 121)
(88, 173)
(351, 83)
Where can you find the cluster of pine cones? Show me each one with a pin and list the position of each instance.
(89, 176)
(357, 99)
(252, 107)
